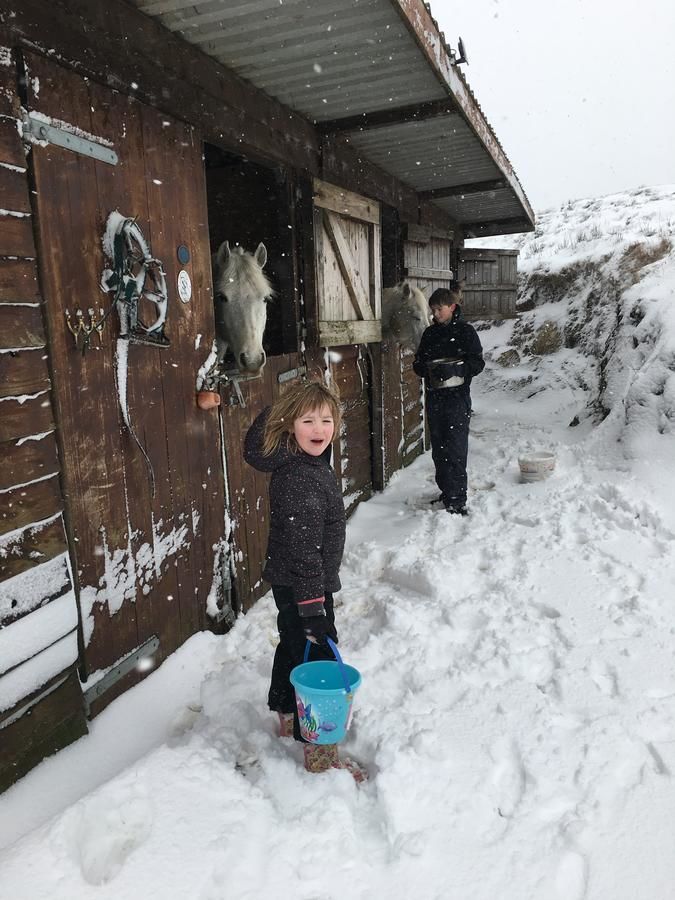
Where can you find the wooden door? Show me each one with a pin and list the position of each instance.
(144, 565)
(490, 282)
(348, 259)
(348, 266)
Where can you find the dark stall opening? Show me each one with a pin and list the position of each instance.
(250, 203)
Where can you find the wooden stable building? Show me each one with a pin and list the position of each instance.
(356, 153)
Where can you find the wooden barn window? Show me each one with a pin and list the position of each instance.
(348, 266)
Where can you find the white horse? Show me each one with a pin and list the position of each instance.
(405, 314)
(241, 290)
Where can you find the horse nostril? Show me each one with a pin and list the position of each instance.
(242, 360)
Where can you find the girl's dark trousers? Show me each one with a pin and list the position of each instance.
(291, 650)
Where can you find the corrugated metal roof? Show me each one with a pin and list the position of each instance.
(331, 59)
(428, 154)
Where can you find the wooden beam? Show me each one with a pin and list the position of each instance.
(32, 503)
(432, 274)
(381, 118)
(422, 234)
(53, 718)
(337, 334)
(488, 288)
(31, 548)
(21, 326)
(511, 225)
(11, 148)
(346, 203)
(16, 236)
(27, 460)
(18, 281)
(459, 190)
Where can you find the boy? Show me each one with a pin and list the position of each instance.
(449, 355)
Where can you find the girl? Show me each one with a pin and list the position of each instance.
(292, 440)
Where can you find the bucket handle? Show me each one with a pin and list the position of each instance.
(338, 659)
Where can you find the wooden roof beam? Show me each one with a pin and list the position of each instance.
(513, 224)
(461, 190)
(381, 118)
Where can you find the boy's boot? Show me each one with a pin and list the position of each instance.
(285, 724)
(322, 757)
(457, 510)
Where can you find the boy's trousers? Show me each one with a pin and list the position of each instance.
(448, 414)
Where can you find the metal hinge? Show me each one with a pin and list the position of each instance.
(36, 127)
(282, 377)
(121, 668)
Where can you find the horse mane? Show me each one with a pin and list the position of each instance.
(245, 274)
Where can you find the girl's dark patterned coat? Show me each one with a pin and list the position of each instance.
(307, 524)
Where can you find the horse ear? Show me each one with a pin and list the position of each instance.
(223, 254)
(407, 290)
(260, 255)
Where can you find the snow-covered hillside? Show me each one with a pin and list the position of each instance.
(598, 276)
(517, 712)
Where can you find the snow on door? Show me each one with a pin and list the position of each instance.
(144, 565)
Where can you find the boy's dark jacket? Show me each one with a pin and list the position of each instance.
(454, 338)
(307, 525)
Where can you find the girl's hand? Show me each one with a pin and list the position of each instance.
(317, 628)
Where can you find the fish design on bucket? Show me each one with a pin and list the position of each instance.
(309, 724)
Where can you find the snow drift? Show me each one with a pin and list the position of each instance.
(516, 713)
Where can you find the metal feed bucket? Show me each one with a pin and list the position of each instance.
(536, 466)
(324, 692)
(444, 373)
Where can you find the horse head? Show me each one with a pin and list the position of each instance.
(405, 314)
(241, 292)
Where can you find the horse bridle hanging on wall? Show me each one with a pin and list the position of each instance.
(135, 274)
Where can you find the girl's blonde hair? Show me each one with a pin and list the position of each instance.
(290, 406)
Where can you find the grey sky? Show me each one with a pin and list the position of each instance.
(580, 94)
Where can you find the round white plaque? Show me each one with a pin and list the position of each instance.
(184, 286)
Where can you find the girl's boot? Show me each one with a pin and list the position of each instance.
(285, 724)
(322, 757)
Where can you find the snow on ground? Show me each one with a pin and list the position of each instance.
(517, 711)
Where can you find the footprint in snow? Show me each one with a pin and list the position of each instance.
(508, 777)
(107, 828)
(604, 677)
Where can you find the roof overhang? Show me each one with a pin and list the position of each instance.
(376, 73)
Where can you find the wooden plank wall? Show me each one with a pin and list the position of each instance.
(41, 706)
(490, 276)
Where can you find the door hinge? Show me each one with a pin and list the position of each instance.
(36, 128)
(121, 668)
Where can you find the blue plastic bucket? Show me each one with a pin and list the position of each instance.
(324, 692)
